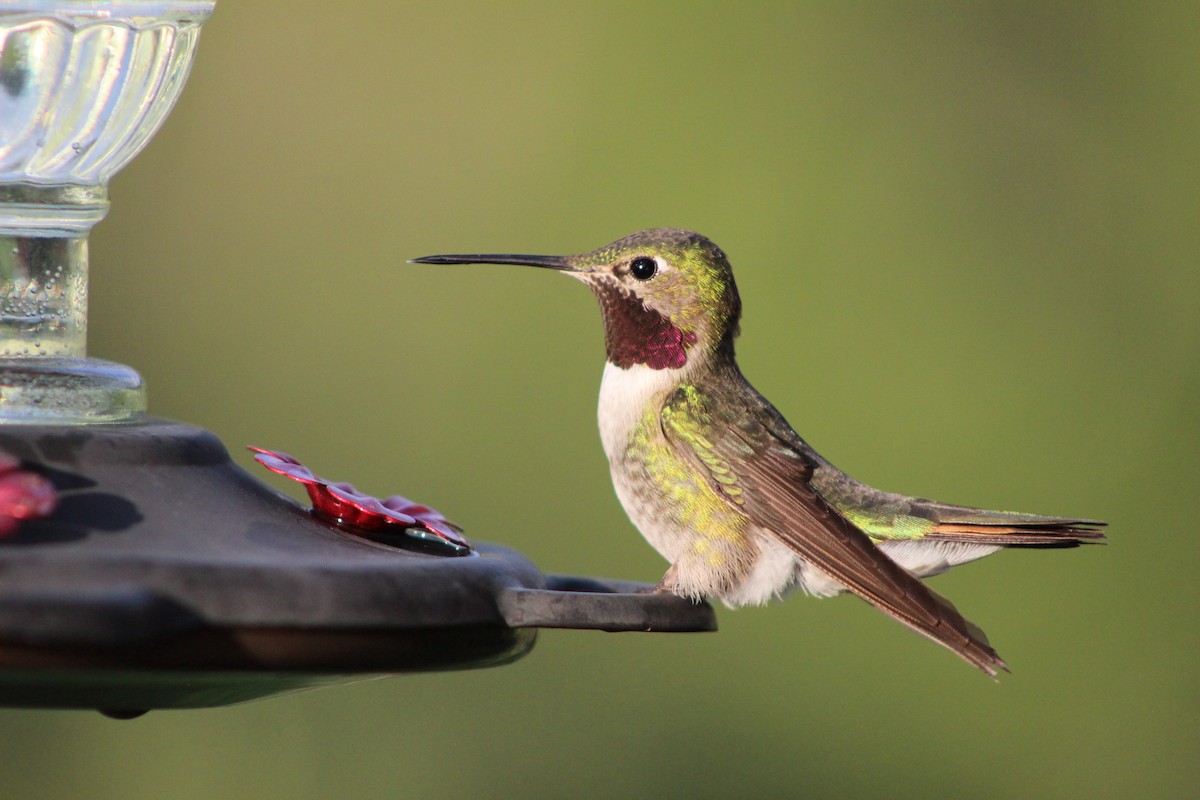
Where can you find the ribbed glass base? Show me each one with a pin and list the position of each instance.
(69, 391)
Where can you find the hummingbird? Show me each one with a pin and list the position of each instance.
(718, 482)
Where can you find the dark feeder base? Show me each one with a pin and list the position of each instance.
(171, 578)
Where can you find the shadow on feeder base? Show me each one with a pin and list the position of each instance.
(207, 668)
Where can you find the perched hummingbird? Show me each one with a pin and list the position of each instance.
(719, 483)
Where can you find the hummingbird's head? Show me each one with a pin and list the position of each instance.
(667, 295)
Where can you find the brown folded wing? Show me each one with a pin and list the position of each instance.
(773, 473)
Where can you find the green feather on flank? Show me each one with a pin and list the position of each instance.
(886, 528)
(880, 515)
(688, 417)
(694, 500)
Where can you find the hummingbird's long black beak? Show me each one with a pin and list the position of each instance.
(560, 263)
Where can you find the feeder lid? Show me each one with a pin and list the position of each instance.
(170, 577)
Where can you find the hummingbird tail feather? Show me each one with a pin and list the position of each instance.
(1069, 533)
(964, 524)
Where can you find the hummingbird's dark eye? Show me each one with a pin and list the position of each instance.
(643, 268)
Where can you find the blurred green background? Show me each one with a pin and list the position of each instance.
(966, 239)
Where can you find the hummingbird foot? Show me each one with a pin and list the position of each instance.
(670, 585)
(665, 586)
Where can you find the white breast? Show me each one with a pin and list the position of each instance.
(625, 396)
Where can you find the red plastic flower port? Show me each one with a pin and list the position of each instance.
(23, 495)
(346, 507)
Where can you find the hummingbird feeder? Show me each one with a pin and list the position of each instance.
(140, 568)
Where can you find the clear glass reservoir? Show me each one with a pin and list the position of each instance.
(84, 84)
